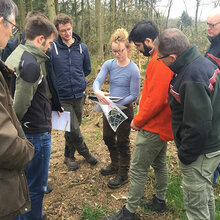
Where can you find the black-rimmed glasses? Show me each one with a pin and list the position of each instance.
(118, 51)
(212, 25)
(159, 58)
(15, 28)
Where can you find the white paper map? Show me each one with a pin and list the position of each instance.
(113, 114)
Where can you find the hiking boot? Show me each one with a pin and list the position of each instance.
(44, 215)
(123, 214)
(110, 169)
(155, 204)
(49, 189)
(71, 164)
(117, 182)
(91, 159)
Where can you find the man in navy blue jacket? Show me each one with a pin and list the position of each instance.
(71, 64)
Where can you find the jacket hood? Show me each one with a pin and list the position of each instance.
(214, 40)
(59, 43)
(74, 35)
(185, 58)
(37, 52)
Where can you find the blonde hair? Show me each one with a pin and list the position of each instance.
(120, 35)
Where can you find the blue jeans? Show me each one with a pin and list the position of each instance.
(37, 174)
(216, 173)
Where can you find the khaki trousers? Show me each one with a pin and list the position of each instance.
(197, 186)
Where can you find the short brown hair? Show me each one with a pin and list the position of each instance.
(39, 25)
(62, 19)
(31, 14)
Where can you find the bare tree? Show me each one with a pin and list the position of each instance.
(216, 3)
(168, 13)
(56, 6)
(51, 9)
(22, 12)
(99, 27)
(196, 15)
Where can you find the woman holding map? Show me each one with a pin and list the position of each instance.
(124, 77)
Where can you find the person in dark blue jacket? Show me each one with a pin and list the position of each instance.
(71, 64)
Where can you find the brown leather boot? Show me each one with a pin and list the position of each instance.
(109, 170)
(117, 181)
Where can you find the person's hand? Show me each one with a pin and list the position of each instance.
(59, 113)
(101, 97)
(134, 127)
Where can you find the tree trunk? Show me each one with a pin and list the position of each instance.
(168, 14)
(113, 15)
(99, 27)
(88, 28)
(75, 20)
(196, 16)
(82, 19)
(56, 6)
(22, 13)
(29, 6)
(51, 10)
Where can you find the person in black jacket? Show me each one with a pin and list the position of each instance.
(194, 98)
(213, 51)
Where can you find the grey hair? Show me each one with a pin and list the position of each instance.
(172, 41)
(8, 9)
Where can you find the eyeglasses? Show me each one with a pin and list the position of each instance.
(212, 25)
(65, 30)
(15, 28)
(118, 51)
(159, 58)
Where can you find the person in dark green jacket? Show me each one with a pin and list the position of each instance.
(194, 98)
(213, 52)
(32, 105)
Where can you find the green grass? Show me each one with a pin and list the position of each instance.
(85, 120)
(174, 198)
(89, 213)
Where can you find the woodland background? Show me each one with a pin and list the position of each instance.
(95, 20)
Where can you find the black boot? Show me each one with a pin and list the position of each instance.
(155, 204)
(112, 168)
(91, 159)
(117, 181)
(123, 214)
(71, 163)
(122, 177)
(109, 170)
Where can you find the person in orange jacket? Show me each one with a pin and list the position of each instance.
(153, 122)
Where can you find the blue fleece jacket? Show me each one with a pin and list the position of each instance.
(71, 65)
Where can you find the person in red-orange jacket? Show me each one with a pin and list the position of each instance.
(153, 122)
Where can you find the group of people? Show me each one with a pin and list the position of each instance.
(180, 101)
(33, 76)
